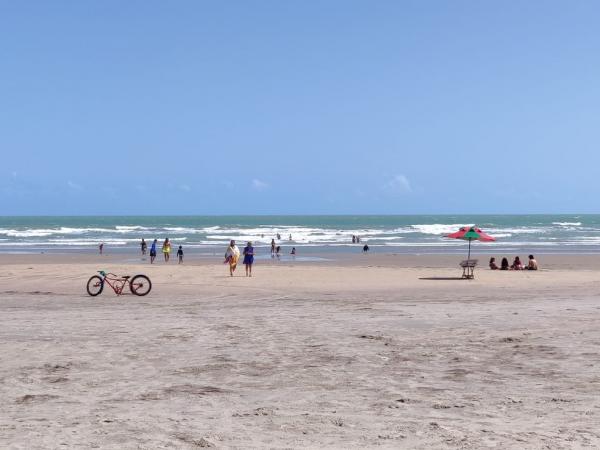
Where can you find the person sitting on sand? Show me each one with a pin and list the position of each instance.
(232, 254)
(504, 264)
(532, 264)
(248, 258)
(517, 264)
(493, 265)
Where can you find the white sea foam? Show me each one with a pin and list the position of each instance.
(516, 230)
(130, 228)
(438, 228)
(567, 224)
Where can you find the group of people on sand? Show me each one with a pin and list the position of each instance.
(165, 249)
(232, 255)
(516, 265)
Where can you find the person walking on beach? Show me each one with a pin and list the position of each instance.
(166, 249)
(248, 258)
(180, 255)
(144, 246)
(272, 248)
(153, 251)
(101, 247)
(232, 254)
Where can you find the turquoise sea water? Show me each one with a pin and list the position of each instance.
(309, 234)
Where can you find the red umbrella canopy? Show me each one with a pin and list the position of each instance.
(471, 234)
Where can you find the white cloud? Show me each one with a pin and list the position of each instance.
(399, 184)
(74, 186)
(259, 185)
(184, 187)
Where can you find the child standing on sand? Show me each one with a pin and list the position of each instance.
(180, 255)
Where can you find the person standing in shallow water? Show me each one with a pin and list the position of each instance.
(144, 246)
(153, 251)
(232, 254)
(272, 248)
(166, 249)
(248, 258)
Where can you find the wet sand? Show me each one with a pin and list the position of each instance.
(374, 351)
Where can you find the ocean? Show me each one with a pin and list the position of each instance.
(309, 234)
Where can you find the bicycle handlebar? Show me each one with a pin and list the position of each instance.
(104, 274)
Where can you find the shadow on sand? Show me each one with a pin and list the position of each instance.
(443, 278)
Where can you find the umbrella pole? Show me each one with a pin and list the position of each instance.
(469, 257)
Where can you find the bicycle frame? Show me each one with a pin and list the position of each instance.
(116, 282)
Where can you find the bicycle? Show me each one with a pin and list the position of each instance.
(138, 285)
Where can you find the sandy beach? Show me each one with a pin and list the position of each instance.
(371, 352)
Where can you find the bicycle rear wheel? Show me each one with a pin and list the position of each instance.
(140, 285)
(95, 285)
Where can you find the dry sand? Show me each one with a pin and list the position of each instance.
(374, 352)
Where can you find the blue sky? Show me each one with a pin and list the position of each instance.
(297, 107)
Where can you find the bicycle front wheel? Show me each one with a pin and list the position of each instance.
(140, 285)
(95, 285)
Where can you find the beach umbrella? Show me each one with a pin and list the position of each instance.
(471, 234)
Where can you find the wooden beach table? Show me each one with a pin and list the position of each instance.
(468, 266)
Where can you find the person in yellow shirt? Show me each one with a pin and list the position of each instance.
(166, 249)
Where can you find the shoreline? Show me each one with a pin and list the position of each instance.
(563, 261)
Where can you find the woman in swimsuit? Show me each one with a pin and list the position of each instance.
(517, 265)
